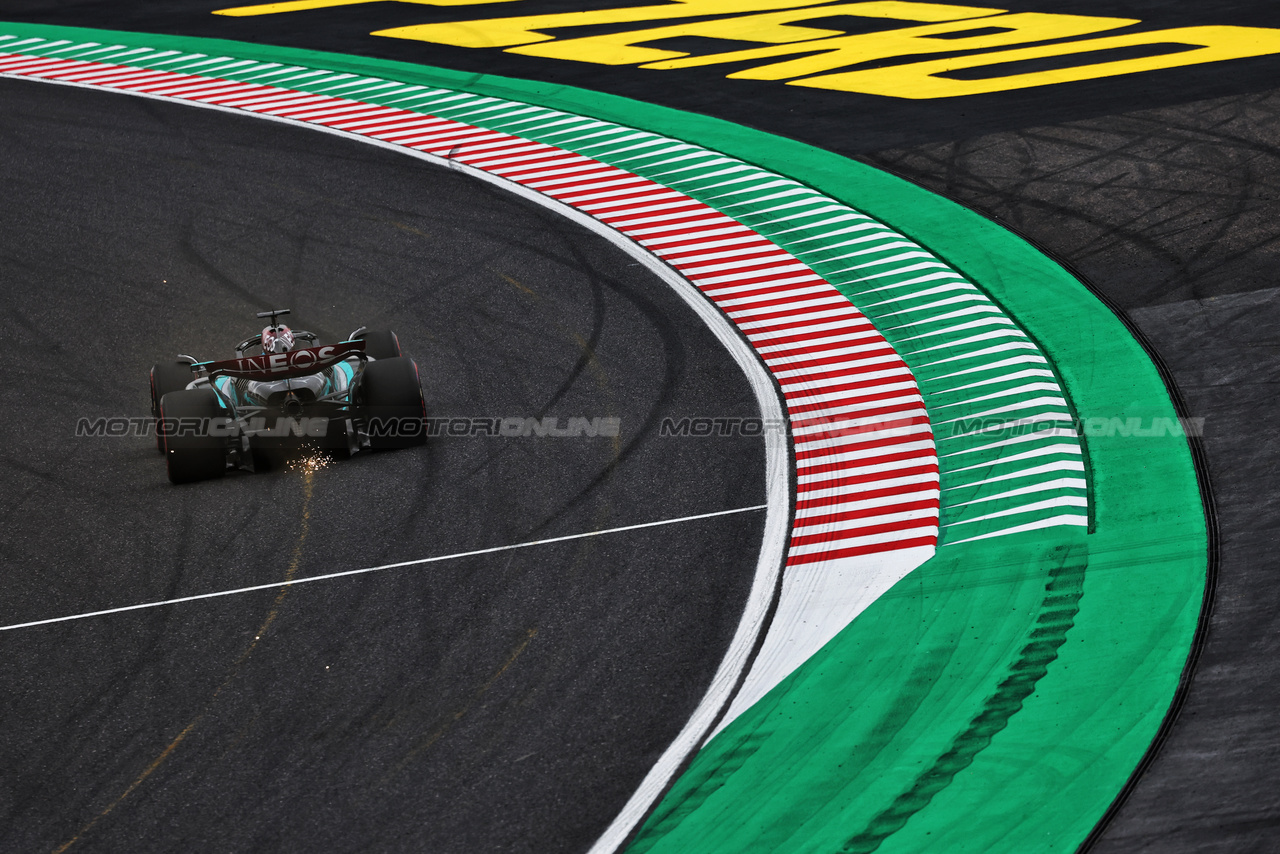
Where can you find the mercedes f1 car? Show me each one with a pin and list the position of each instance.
(276, 398)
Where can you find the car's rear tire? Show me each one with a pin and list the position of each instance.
(193, 448)
(381, 345)
(392, 403)
(166, 377)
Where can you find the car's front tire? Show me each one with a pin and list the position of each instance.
(195, 447)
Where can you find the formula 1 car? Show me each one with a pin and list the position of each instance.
(276, 398)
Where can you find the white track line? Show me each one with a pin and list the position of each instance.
(778, 484)
(350, 572)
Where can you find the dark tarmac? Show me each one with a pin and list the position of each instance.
(506, 702)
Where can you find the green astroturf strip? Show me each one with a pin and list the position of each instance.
(998, 697)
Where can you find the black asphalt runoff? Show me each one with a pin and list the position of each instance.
(840, 121)
(509, 702)
(1160, 188)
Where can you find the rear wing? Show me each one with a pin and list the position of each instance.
(284, 366)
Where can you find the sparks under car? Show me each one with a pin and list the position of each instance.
(276, 397)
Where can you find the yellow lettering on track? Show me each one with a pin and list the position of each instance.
(935, 38)
(768, 28)
(787, 40)
(921, 80)
(511, 32)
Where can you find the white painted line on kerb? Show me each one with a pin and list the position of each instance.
(349, 572)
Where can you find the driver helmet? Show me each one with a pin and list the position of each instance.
(277, 339)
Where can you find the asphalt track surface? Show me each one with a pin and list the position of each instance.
(508, 702)
(1160, 189)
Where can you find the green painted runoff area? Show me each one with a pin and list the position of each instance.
(998, 698)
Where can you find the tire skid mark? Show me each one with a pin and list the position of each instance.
(1058, 609)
